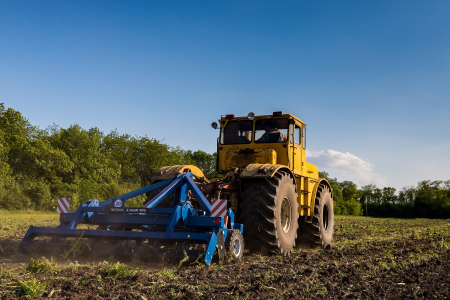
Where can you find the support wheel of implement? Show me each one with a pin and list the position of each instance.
(319, 230)
(234, 243)
(269, 211)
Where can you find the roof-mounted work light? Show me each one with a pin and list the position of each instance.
(277, 113)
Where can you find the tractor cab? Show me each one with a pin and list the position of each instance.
(268, 139)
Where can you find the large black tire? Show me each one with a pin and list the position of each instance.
(234, 243)
(269, 212)
(319, 232)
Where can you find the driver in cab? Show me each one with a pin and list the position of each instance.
(271, 135)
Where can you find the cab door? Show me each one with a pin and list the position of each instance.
(296, 153)
(291, 150)
(297, 149)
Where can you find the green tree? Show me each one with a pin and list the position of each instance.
(83, 147)
(205, 161)
(6, 180)
(349, 190)
(377, 195)
(94, 174)
(124, 149)
(366, 193)
(42, 160)
(406, 195)
(152, 155)
(17, 131)
(389, 195)
(432, 199)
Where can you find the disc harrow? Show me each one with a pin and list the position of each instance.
(169, 232)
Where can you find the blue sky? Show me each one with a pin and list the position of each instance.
(371, 79)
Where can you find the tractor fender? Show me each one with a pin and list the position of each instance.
(173, 171)
(318, 181)
(264, 171)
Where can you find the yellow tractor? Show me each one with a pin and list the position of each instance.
(276, 194)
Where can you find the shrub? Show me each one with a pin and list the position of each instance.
(31, 288)
(353, 207)
(117, 270)
(41, 265)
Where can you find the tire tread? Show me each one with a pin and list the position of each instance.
(258, 213)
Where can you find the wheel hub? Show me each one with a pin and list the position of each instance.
(285, 214)
(325, 217)
(236, 247)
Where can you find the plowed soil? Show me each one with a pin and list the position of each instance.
(370, 259)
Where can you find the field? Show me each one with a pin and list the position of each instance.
(372, 258)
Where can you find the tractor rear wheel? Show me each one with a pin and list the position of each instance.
(269, 212)
(319, 231)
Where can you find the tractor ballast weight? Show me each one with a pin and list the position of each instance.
(180, 223)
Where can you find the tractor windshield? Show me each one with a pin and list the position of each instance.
(236, 132)
(271, 130)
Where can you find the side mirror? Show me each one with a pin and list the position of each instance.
(214, 125)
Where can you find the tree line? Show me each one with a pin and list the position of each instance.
(39, 165)
(429, 199)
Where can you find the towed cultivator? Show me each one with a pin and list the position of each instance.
(156, 231)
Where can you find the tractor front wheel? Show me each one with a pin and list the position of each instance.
(269, 212)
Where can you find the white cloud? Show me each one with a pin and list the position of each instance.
(345, 166)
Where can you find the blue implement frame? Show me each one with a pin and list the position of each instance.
(181, 222)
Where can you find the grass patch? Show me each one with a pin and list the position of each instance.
(117, 270)
(31, 288)
(41, 265)
(7, 272)
(169, 274)
(15, 225)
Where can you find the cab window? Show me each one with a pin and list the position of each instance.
(298, 135)
(271, 130)
(236, 132)
(304, 137)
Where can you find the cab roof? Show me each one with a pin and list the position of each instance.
(278, 116)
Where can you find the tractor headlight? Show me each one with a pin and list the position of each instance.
(214, 125)
(251, 115)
